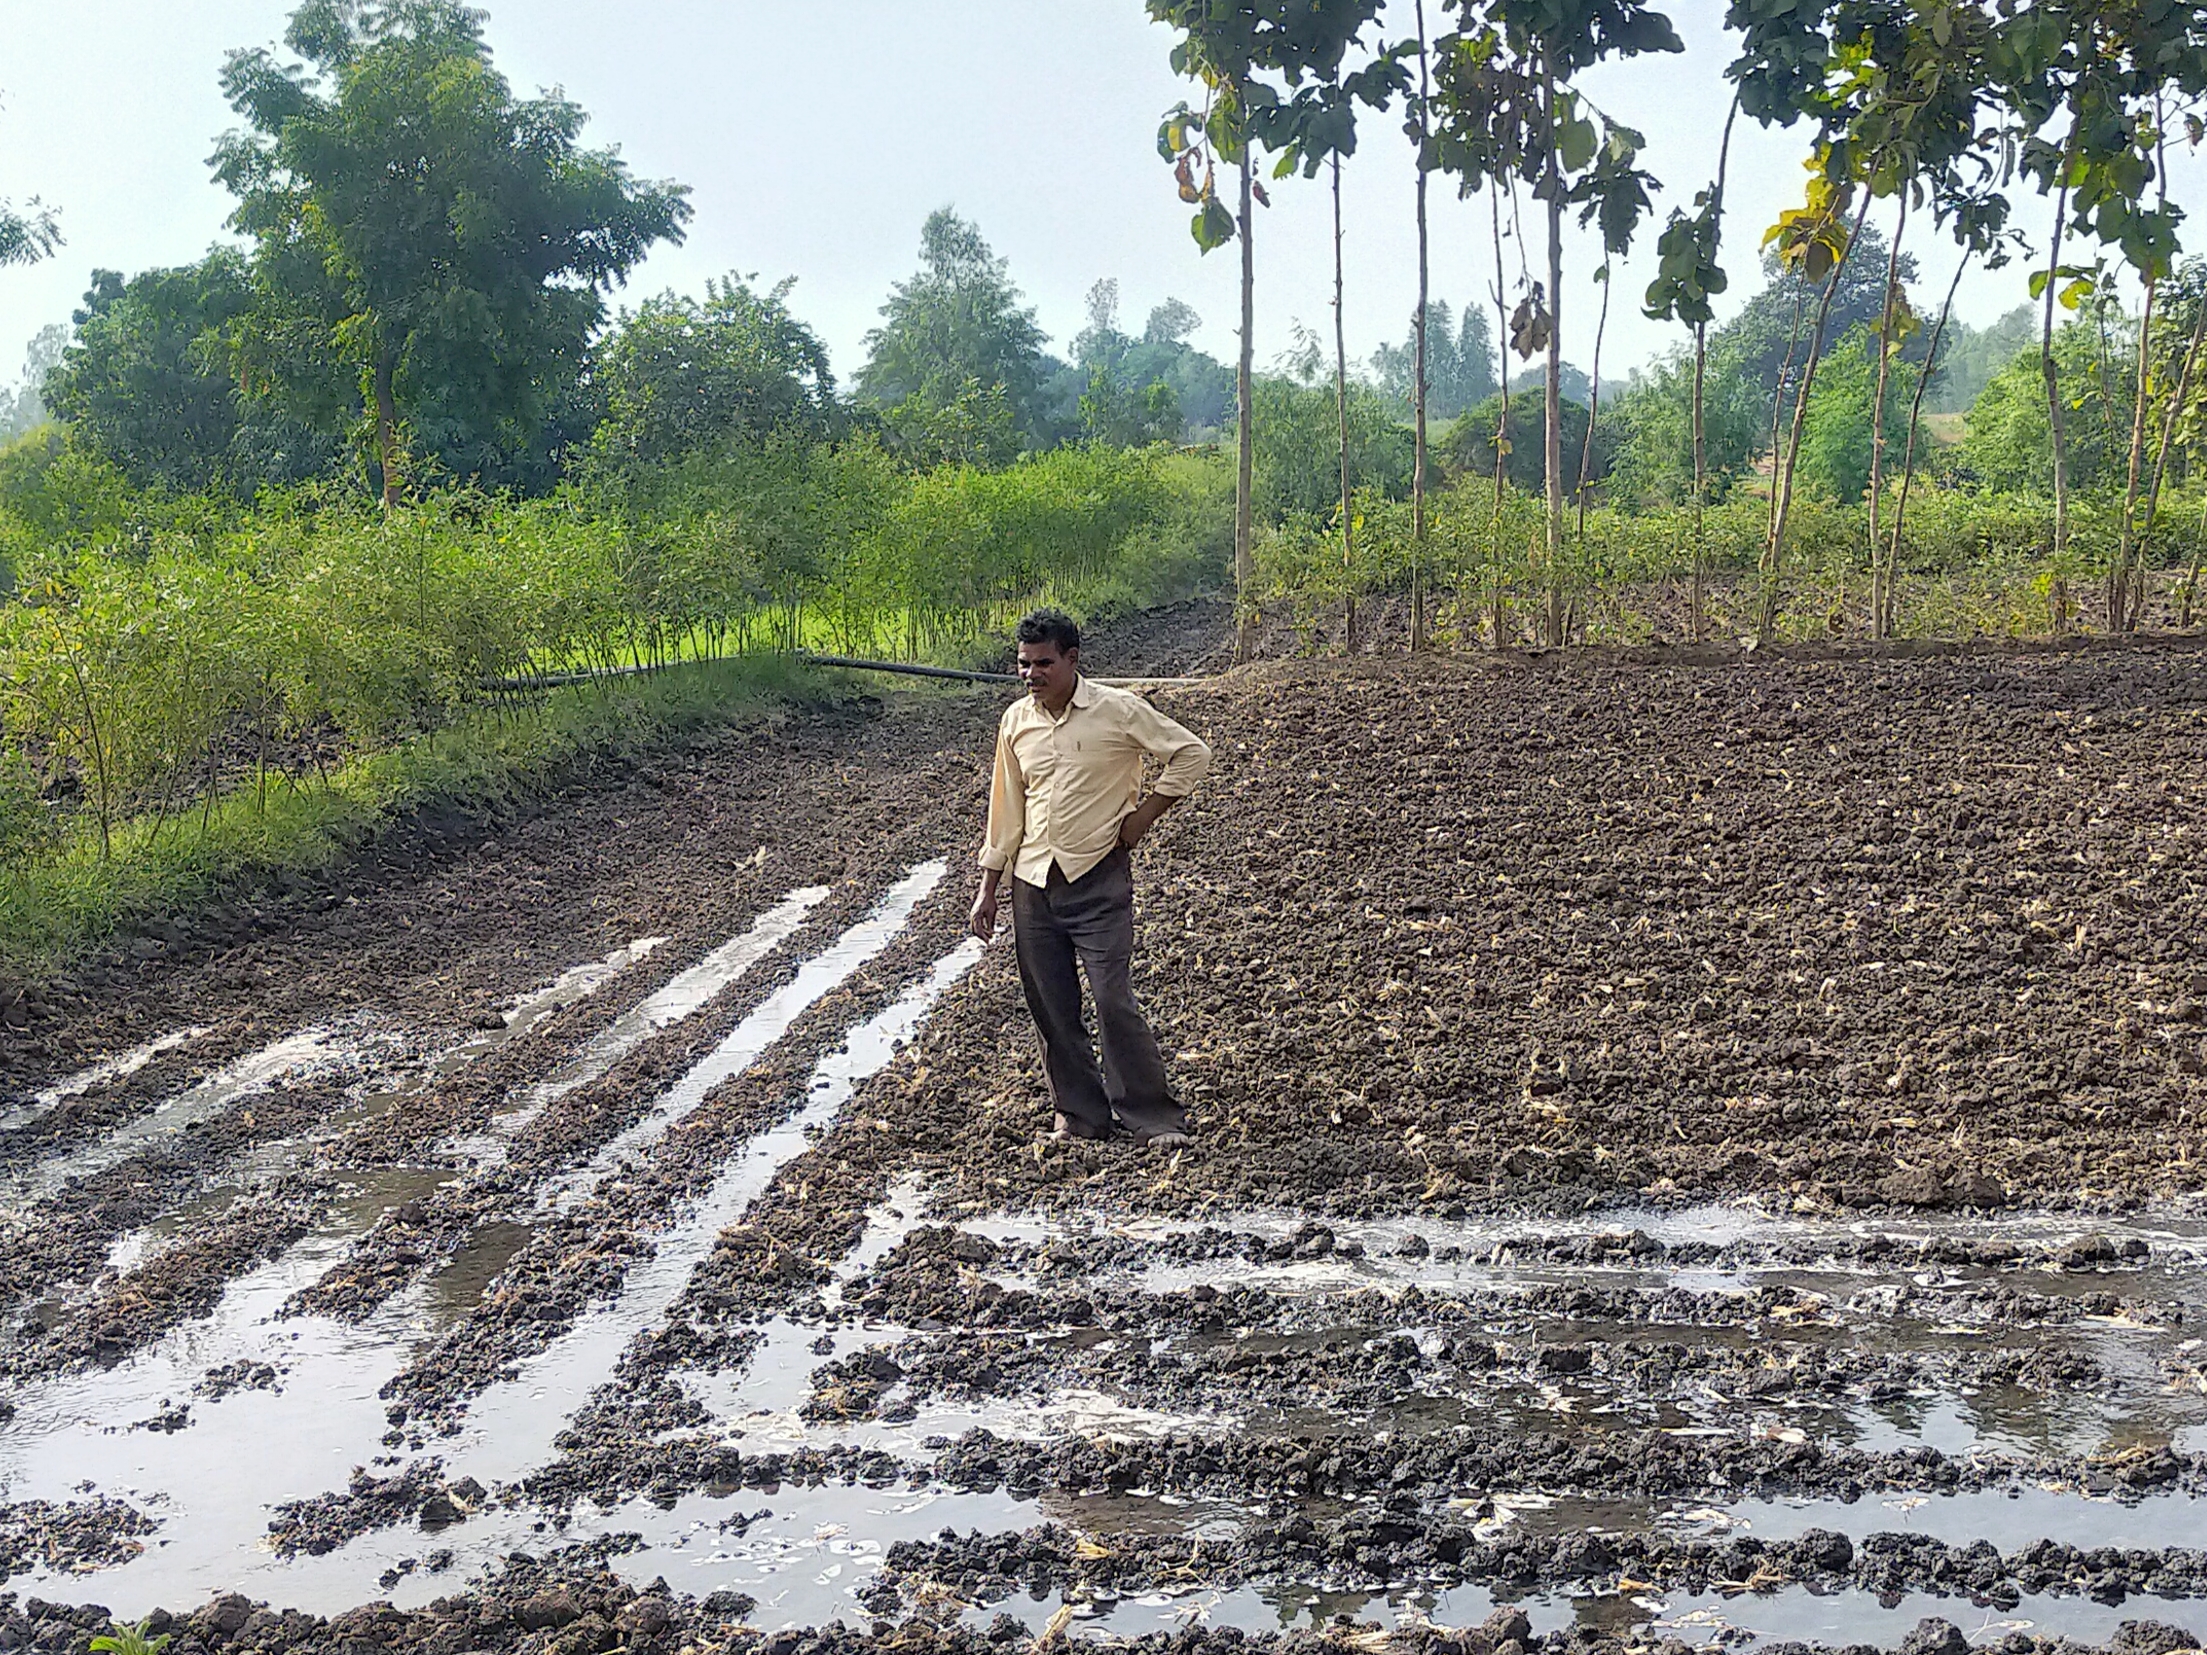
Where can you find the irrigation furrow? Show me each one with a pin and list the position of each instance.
(538, 1126)
(582, 1243)
(219, 1201)
(310, 1383)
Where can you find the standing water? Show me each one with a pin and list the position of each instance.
(163, 1432)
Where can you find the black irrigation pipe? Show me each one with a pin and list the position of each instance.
(853, 663)
(589, 675)
(848, 663)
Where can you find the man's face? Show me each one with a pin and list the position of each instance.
(1046, 671)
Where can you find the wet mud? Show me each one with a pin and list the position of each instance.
(1688, 1157)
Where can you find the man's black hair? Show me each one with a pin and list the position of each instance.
(1053, 627)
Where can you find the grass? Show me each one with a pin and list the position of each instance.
(55, 906)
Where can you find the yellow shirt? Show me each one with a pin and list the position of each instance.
(1063, 785)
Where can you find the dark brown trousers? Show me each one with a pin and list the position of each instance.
(1059, 928)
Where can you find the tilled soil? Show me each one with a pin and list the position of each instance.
(1617, 1085)
(1916, 934)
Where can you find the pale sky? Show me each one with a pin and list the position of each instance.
(817, 135)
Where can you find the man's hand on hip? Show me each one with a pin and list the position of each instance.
(1143, 817)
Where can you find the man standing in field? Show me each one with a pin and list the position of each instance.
(1063, 817)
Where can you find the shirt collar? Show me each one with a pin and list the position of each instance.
(1084, 693)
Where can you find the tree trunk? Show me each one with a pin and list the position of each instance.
(2177, 398)
(1552, 437)
(1593, 409)
(1341, 411)
(1701, 377)
(1778, 406)
(1245, 566)
(1695, 622)
(1881, 596)
(2124, 605)
(1783, 506)
(1915, 423)
(2056, 425)
(2191, 579)
(1417, 466)
(386, 425)
(1500, 620)
(2100, 363)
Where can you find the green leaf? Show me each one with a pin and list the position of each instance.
(1576, 142)
(1213, 227)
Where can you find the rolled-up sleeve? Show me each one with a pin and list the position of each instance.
(1007, 808)
(1185, 757)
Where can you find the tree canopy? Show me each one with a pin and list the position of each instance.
(1154, 388)
(958, 359)
(682, 374)
(25, 406)
(449, 242)
(28, 235)
(1459, 361)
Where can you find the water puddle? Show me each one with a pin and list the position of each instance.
(227, 1418)
(311, 1055)
(1731, 1248)
(1791, 1614)
(510, 1427)
(215, 1481)
(1794, 1614)
(805, 1554)
(763, 1403)
(103, 1073)
(460, 1286)
(1802, 1358)
(520, 1018)
(679, 997)
(2009, 1518)
(766, 1024)
(531, 1011)
(277, 1411)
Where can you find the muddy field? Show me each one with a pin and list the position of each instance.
(1689, 1155)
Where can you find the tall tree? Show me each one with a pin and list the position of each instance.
(1149, 378)
(955, 334)
(1507, 111)
(1969, 356)
(465, 237)
(1420, 129)
(2088, 87)
(682, 374)
(1170, 323)
(1230, 46)
(1341, 412)
(1319, 125)
(1687, 283)
(26, 405)
(1459, 361)
(148, 382)
(145, 382)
